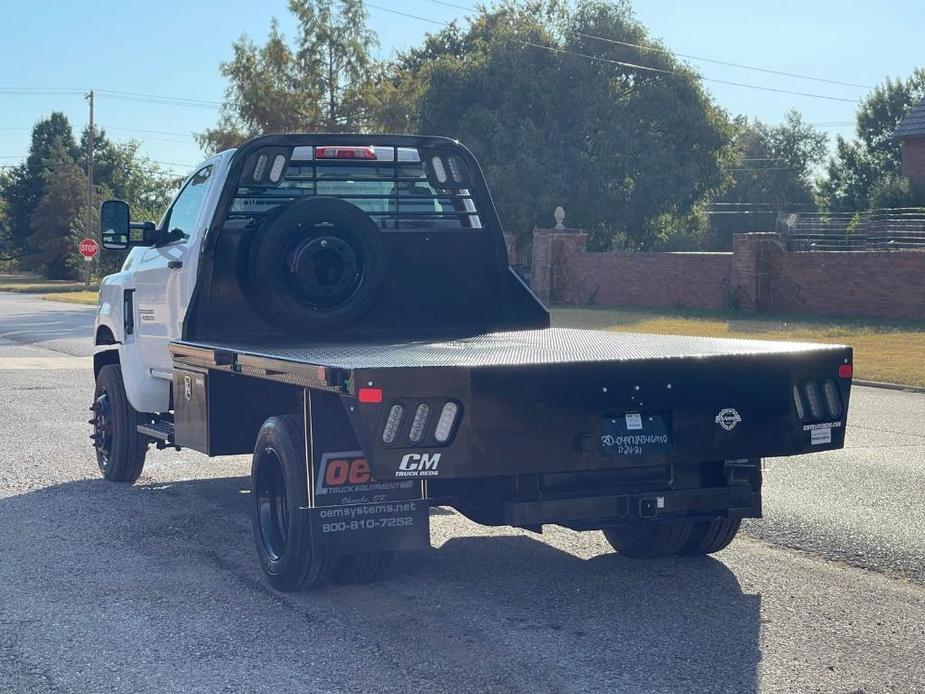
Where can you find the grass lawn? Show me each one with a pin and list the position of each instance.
(74, 297)
(883, 351)
(31, 284)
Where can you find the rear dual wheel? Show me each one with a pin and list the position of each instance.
(282, 528)
(649, 540)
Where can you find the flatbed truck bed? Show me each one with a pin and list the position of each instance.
(563, 391)
(511, 348)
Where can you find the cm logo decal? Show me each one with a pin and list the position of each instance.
(418, 465)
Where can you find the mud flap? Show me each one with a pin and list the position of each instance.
(351, 512)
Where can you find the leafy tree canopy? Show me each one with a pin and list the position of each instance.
(558, 118)
(51, 137)
(43, 202)
(871, 162)
(771, 169)
(315, 85)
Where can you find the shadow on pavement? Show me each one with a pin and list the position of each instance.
(172, 564)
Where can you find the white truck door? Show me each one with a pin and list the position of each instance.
(164, 273)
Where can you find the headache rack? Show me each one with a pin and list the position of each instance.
(393, 188)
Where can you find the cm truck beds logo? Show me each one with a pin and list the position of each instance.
(418, 465)
(348, 473)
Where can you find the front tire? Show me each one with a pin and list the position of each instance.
(120, 449)
(649, 540)
(282, 531)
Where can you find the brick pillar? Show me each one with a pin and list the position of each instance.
(755, 269)
(552, 249)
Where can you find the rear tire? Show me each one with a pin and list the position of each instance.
(711, 536)
(646, 541)
(282, 531)
(120, 449)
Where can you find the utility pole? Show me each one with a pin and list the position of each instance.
(90, 232)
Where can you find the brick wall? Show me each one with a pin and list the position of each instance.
(680, 280)
(889, 284)
(760, 274)
(913, 152)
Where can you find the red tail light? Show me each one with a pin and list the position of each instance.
(846, 370)
(345, 153)
(369, 395)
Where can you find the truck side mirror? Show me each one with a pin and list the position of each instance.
(115, 224)
(116, 228)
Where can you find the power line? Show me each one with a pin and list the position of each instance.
(672, 72)
(654, 49)
(165, 101)
(405, 14)
(120, 129)
(145, 169)
(726, 62)
(40, 91)
(152, 132)
(200, 102)
(450, 4)
(115, 94)
(631, 66)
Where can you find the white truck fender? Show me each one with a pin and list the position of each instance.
(145, 391)
(110, 321)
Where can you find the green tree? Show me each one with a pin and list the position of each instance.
(52, 137)
(318, 85)
(6, 260)
(771, 169)
(121, 171)
(333, 58)
(872, 159)
(59, 217)
(558, 118)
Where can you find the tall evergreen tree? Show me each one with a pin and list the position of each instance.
(59, 218)
(317, 85)
(52, 138)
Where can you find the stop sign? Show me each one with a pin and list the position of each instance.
(88, 248)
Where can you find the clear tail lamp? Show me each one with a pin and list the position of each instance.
(446, 421)
(393, 423)
(419, 422)
(798, 402)
(813, 400)
(832, 400)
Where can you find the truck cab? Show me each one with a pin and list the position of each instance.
(157, 281)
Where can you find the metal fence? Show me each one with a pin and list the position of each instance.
(873, 230)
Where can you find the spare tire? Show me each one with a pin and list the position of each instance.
(318, 264)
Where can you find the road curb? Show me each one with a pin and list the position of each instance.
(888, 386)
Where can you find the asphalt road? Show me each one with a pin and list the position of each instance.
(155, 587)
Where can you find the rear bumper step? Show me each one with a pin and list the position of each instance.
(625, 508)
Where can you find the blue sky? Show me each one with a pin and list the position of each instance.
(173, 49)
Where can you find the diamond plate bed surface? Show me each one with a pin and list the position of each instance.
(522, 348)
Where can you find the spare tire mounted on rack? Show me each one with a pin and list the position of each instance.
(318, 264)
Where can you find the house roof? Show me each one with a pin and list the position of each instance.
(913, 125)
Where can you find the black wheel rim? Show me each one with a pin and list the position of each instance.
(272, 505)
(102, 429)
(324, 271)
